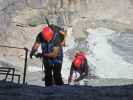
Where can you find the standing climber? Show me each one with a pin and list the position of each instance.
(79, 68)
(52, 54)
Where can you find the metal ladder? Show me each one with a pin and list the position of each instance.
(9, 72)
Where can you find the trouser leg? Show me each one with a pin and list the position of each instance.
(57, 74)
(48, 74)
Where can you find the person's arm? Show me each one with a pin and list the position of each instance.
(54, 53)
(85, 73)
(35, 46)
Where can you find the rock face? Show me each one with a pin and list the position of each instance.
(80, 14)
(21, 20)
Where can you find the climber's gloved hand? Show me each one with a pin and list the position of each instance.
(38, 55)
(32, 53)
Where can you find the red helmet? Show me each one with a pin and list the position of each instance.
(77, 62)
(79, 59)
(47, 33)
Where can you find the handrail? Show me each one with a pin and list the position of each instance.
(11, 47)
(26, 55)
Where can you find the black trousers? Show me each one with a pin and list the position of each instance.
(52, 74)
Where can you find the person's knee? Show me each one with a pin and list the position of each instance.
(57, 76)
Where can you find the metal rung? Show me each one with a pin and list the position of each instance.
(5, 70)
(14, 75)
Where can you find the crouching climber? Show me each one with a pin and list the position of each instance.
(79, 68)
